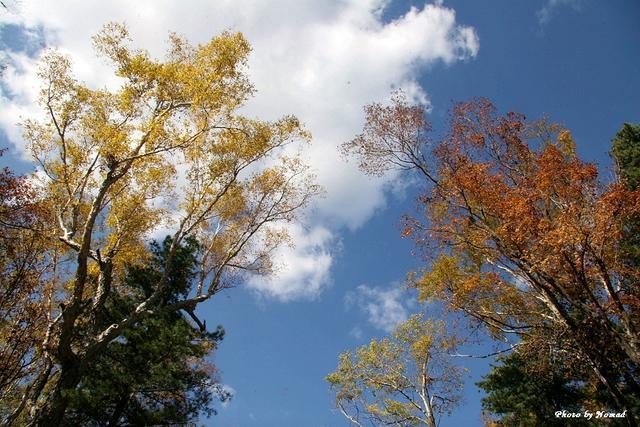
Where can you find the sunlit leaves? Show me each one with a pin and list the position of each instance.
(406, 379)
(518, 232)
(26, 287)
(166, 147)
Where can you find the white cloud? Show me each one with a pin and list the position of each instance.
(356, 332)
(319, 60)
(227, 390)
(385, 308)
(550, 8)
(303, 268)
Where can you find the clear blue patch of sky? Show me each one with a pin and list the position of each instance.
(18, 39)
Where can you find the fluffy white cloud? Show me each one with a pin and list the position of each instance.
(302, 270)
(385, 308)
(319, 60)
(550, 7)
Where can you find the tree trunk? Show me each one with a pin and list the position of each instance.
(53, 410)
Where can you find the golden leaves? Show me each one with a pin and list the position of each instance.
(566, 144)
(443, 273)
(390, 380)
(167, 147)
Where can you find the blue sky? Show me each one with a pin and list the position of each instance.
(578, 62)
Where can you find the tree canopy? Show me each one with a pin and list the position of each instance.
(527, 390)
(157, 371)
(526, 387)
(518, 233)
(24, 286)
(166, 149)
(625, 149)
(406, 379)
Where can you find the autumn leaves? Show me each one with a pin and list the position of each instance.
(519, 236)
(167, 148)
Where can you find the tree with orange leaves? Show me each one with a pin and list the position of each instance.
(25, 290)
(520, 234)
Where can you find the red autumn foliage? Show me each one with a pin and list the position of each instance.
(520, 234)
(22, 315)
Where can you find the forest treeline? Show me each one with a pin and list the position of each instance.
(99, 323)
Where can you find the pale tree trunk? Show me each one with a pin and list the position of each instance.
(427, 401)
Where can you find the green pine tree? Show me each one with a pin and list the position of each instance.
(156, 372)
(625, 149)
(518, 395)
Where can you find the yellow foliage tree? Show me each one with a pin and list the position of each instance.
(169, 149)
(406, 379)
